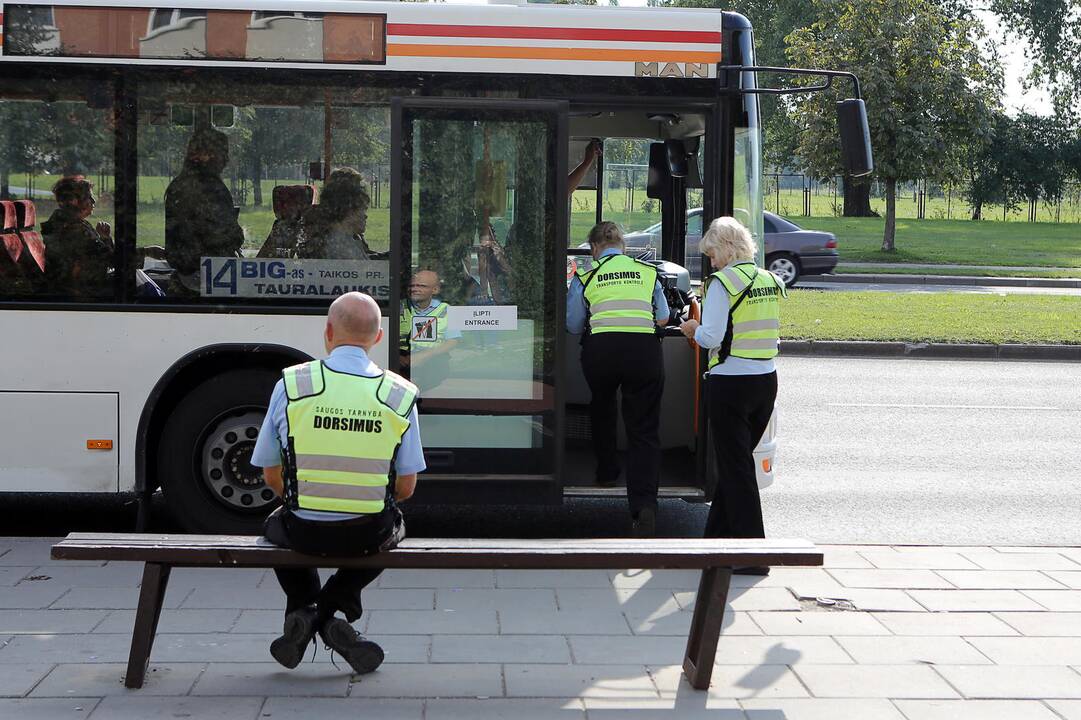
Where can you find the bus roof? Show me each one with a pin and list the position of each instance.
(379, 36)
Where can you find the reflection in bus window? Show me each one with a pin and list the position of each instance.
(272, 232)
(52, 249)
(426, 338)
(194, 34)
(480, 223)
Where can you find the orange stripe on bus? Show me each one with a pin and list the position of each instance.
(549, 53)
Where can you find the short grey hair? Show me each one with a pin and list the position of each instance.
(606, 234)
(728, 241)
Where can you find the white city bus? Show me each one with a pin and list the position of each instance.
(464, 121)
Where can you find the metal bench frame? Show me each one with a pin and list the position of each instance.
(714, 557)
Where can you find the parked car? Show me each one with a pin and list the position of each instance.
(791, 251)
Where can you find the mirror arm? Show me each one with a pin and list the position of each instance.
(829, 75)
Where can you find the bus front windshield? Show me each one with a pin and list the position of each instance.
(747, 168)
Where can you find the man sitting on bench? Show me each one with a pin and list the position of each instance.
(341, 445)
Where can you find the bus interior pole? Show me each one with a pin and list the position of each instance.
(328, 123)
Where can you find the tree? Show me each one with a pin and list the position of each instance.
(1033, 156)
(985, 167)
(928, 86)
(1054, 27)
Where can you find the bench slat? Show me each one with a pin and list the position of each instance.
(603, 553)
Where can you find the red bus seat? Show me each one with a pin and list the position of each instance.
(13, 248)
(25, 217)
(8, 216)
(25, 214)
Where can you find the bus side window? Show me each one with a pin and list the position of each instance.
(56, 189)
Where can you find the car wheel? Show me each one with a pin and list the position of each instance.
(204, 458)
(785, 267)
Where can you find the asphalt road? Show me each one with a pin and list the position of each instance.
(871, 450)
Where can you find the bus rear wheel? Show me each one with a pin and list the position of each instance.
(204, 457)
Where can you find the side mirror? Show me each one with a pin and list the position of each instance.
(677, 158)
(855, 138)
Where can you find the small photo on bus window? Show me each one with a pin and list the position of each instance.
(263, 192)
(56, 189)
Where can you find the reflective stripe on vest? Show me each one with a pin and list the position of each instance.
(756, 321)
(619, 295)
(344, 431)
(424, 330)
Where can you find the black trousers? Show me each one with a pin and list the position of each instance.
(739, 410)
(632, 364)
(341, 593)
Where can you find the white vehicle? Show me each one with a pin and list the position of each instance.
(458, 118)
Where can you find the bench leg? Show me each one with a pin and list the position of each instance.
(151, 597)
(706, 626)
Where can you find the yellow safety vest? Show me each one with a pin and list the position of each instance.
(344, 431)
(420, 331)
(619, 295)
(754, 317)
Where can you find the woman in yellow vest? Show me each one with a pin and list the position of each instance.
(741, 329)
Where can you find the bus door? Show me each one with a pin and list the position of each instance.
(478, 234)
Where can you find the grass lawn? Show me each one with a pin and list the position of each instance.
(931, 317)
(961, 242)
(852, 269)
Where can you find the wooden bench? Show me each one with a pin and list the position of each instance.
(715, 558)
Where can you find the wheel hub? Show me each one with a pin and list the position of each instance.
(226, 462)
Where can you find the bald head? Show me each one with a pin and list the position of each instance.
(353, 319)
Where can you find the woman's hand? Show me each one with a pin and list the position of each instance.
(104, 230)
(687, 327)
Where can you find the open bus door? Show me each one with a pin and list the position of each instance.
(478, 233)
(673, 145)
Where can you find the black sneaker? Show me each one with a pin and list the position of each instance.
(299, 630)
(645, 525)
(363, 656)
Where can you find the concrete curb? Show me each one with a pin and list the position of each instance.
(955, 351)
(900, 279)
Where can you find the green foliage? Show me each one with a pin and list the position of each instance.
(1054, 27)
(928, 86)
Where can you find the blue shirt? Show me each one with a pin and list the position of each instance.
(578, 313)
(710, 334)
(275, 431)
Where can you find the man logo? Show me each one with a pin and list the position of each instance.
(688, 70)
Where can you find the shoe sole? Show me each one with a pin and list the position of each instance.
(364, 656)
(288, 649)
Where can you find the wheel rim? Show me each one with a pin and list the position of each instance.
(783, 268)
(225, 461)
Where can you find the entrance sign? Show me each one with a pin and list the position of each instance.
(483, 317)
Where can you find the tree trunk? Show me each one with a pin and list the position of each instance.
(857, 201)
(889, 236)
(257, 179)
(977, 210)
(5, 184)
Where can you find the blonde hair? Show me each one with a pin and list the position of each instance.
(605, 234)
(728, 241)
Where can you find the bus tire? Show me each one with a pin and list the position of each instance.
(206, 479)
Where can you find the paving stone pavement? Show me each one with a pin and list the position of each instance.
(879, 633)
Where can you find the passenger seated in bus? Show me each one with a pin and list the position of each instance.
(335, 227)
(426, 339)
(290, 204)
(78, 255)
(200, 218)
